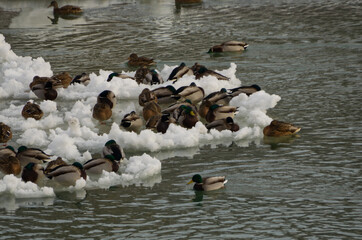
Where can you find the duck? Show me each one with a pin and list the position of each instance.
(224, 124)
(33, 172)
(135, 61)
(201, 71)
(132, 122)
(248, 90)
(219, 112)
(119, 75)
(208, 183)
(192, 92)
(164, 94)
(279, 129)
(9, 164)
(67, 175)
(61, 80)
(174, 106)
(151, 109)
(5, 133)
(204, 108)
(97, 165)
(112, 148)
(102, 112)
(185, 116)
(32, 110)
(152, 122)
(179, 72)
(45, 91)
(146, 96)
(35, 155)
(219, 97)
(229, 46)
(82, 78)
(164, 122)
(53, 164)
(65, 10)
(108, 97)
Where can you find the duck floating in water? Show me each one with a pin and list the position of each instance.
(67, 175)
(224, 124)
(135, 61)
(65, 10)
(9, 164)
(5, 133)
(114, 149)
(229, 46)
(279, 129)
(33, 172)
(208, 183)
(32, 110)
(98, 165)
(132, 122)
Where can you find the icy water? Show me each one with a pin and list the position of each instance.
(307, 187)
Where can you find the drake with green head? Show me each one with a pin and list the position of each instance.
(229, 46)
(248, 90)
(185, 116)
(179, 72)
(114, 149)
(164, 94)
(208, 183)
(192, 92)
(35, 155)
(119, 75)
(33, 172)
(67, 175)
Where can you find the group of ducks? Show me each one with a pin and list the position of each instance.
(29, 164)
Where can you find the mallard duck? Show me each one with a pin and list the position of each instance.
(81, 79)
(102, 112)
(208, 183)
(5, 133)
(194, 93)
(185, 116)
(248, 90)
(32, 110)
(224, 124)
(146, 96)
(45, 91)
(219, 97)
(164, 122)
(229, 46)
(152, 122)
(53, 164)
(67, 175)
(279, 128)
(67, 9)
(33, 172)
(114, 149)
(151, 109)
(61, 80)
(219, 112)
(35, 155)
(177, 105)
(9, 164)
(179, 72)
(132, 122)
(136, 61)
(120, 75)
(204, 108)
(201, 71)
(164, 94)
(98, 165)
(108, 97)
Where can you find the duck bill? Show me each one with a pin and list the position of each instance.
(190, 182)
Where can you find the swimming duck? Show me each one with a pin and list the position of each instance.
(248, 90)
(224, 124)
(45, 91)
(67, 9)
(102, 112)
(120, 75)
(9, 164)
(229, 46)
(185, 116)
(35, 155)
(67, 175)
(135, 61)
(32, 110)
(179, 72)
(5, 133)
(201, 71)
(107, 97)
(53, 164)
(208, 183)
(146, 96)
(132, 122)
(164, 94)
(114, 149)
(164, 122)
(33, 172)
(194, 93)
(151, 109)
(82, 78)
(98, 165)
(279, 128)
(219, 112)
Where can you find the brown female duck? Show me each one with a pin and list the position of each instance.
(279, 129)
(67, 9)
(32, 110)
